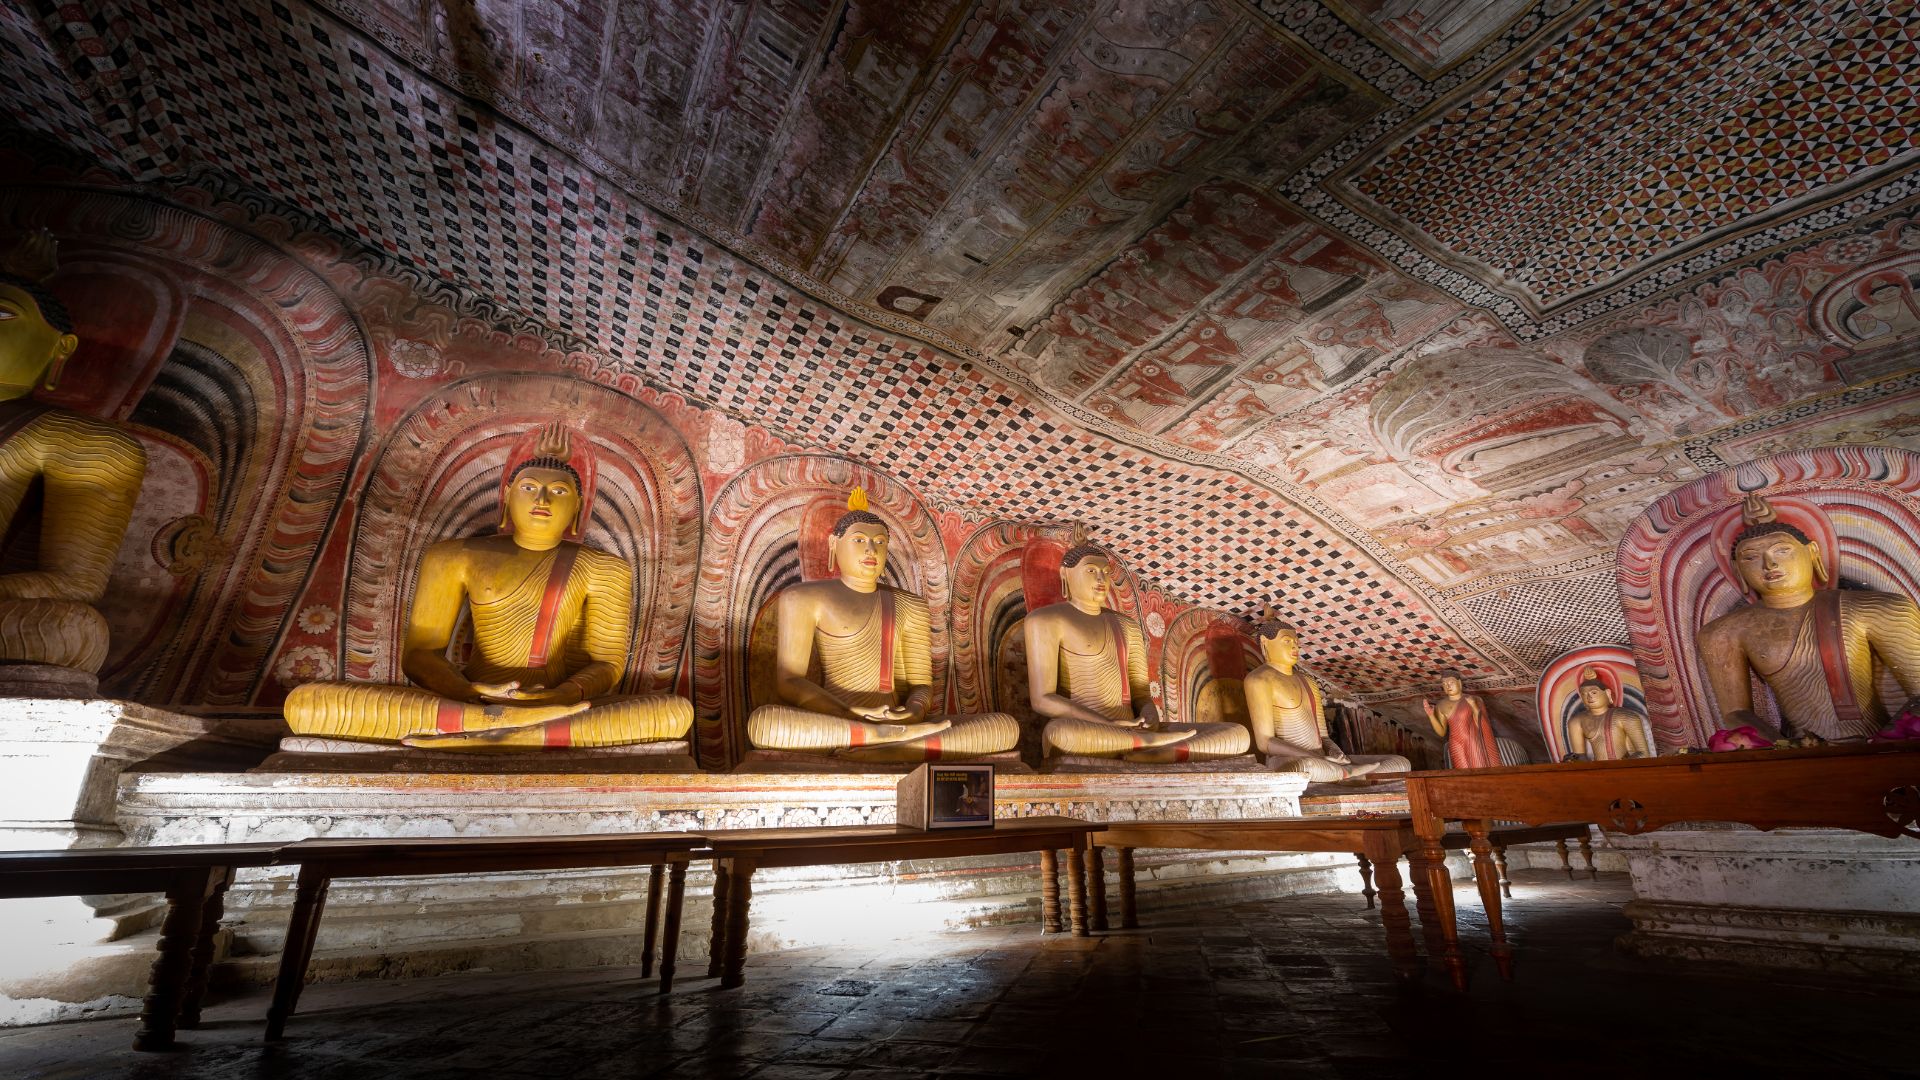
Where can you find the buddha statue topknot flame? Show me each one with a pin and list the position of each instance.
(871, 646)
(1818, 649)
(551, 620)
(1289, 717)
(90, 471)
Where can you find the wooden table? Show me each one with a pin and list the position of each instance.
(1501, 837)
(737, 853)
(195, 880)
(1870, 787)
(1379, 840)
(323, 860)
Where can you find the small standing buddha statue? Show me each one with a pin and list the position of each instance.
(1087, 672)
(1461, 719)
(872, 647)
(551, 620)
(1819, 650)
(1602, 730)
(1289, 715)
(89, 469)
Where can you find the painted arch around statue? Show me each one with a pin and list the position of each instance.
(1672, 581)
(1204, 666)
(1557, 697)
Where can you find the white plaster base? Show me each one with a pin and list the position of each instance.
(1831, 900)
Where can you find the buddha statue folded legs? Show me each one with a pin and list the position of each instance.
(1087, 672)
(1289, 716)
(550, 619)
(871, 647)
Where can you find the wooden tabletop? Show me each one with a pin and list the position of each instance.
(825, 844)
(458, 854)
(141, 858)
(1668, 761)
(1255, 834)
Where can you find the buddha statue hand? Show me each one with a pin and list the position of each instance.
(1576, 757)
(1747, 720)
(886, 715)
(511, 693)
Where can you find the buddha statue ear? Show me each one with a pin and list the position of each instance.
(62, 352)
(1820, 574)
(833, 566)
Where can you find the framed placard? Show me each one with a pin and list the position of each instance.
(946, 797)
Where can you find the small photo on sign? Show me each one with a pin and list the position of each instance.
(962, 797)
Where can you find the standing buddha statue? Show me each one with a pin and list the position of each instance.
(1819, 650)
(1289, 715)
(89, 469)
(1601, 730)
(1462, 720)
(550, 617)
(872, 647)
(1087, 672)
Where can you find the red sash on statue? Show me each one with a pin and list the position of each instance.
(886, 640)
(1833, 657)
(1120, 650)
(556, 590)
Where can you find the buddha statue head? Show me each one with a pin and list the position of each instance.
(1086, 575)
(1452, 684)
(36, 333)
(1279, 640)
(1777, 562)
(1595, 694)
(546, 493)
(857, 545)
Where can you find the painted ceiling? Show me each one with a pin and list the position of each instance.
(1396, 311)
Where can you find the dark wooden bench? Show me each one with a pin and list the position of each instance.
(737, 853)
(321, 861)
(194, 879)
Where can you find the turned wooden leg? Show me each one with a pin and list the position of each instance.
(676, 898)
(1049, 892)
(1566, 862)
(648, 936)
(211, 909)
(1366, 880)
(1488, 879)
(1129, 912)
(167, 980)
(1077, 891)
(309, 900)
(1500, 860)
(1097, 888)
(1586, 852)
(739, 900)
(1436, 908)
(1393, 909)
(717, 940)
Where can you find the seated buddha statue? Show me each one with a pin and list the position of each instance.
(550, 620)
(854, 665)
(89, 471)
(1289, 716)
(1602, 731)
(1462, 720)
(1820, 651)
(1087, 672)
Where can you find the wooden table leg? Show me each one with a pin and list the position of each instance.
(211, 909)
(1049, 892)
(167, 980)
(1097, 888)
(1500, 860)
(309, 900)
(1077, 891)
(1129, 912)
(1586, 852)
(1393, 907)
(648, 936)
(1366, 880)
(1429, 858)
(1488, 879)
(676, 898)
(740, 898)
(717, 940)
(1566, 863)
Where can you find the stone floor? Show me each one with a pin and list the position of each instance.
(1295, 987)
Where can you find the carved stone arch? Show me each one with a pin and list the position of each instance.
(989, 613)
(437, 477)
(756, 545)
(141, 277)
(1203, 664)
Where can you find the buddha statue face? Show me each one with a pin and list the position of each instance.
(1450, 686)
(860, 554)
(1088, 582)
(542, 503)
(1282, 650)
(31, 349)
(1778, 568)
(1596, 698)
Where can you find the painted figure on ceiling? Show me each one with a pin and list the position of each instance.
(1820, 649)
(90, 473)
(855, 665)
(551, 620)
(1289, 716)
(1461, 719)
(1087, 672)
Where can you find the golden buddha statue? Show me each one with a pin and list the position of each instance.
(550, 621)
(1820, 650)
(90, 472)
(855, 665)
(1462, 720)
(1289, 716)
(1087, 672)
(1602, 731)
